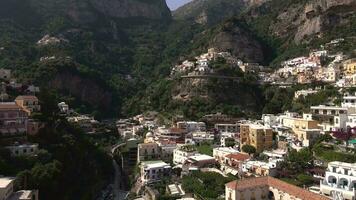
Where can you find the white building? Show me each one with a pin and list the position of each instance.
(7, 191)
(24, 149)
(349, 101)
(340, 180)
(63, 107)
(181, 153)
(153, 171)
(191, 126)
(269, 120)
(331, 74)
(318, 53)
(227, 128)
(304, 93)
(202, 137)
(330, 117)
(220, 153)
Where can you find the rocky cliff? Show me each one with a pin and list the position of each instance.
(85, 11)
(301, 20)
(209, 12)
(239, 42)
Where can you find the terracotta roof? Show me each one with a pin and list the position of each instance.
(176, 130)
(27, 97)
(275, 183)
(238, 156)
(9, 106)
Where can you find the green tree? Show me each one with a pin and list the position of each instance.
(249, 149)
(230, 142)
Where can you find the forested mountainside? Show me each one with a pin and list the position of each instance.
(114, 57)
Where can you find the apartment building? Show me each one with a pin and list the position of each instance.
(227, 128)
(153, 171)
(182, 153)
(233, 163)
(340, 181)
(220, 153)
(258, 136)
(349, 67)
(305, 129)
(13, 122)
(24, 149)
(330, 117)
(148, 151)
(191, 126)
(29, 103)
(7, 191)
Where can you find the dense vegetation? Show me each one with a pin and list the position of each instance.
(207, 185)
(128, 60)
(66, 156)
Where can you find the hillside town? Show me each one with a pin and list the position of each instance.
(258, 155)
(252, 158)
(251, 151)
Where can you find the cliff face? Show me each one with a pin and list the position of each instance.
(84, 89)
(85, 11)
(217, 91)
(209, 12)
(240, 43)
(152, 9)
(314, 17)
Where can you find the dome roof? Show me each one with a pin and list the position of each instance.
(149, 134)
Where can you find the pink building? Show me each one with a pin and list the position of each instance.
(13, 122)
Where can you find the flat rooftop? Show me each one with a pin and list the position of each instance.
(201, 157)
(5, 181)
(155, 164)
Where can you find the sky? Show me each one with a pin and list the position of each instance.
(174, 4)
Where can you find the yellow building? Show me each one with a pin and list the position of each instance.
(297, 124)
(349, 66)
(256, 135)
(306, 129)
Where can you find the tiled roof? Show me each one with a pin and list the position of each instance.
(27, 97)
(275, 183)
(9, 106)
(238, 156)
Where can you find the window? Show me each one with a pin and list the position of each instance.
(334, 169)
(346, 171)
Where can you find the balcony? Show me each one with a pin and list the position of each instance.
(337, 187)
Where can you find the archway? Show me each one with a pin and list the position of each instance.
(332, 179)
(344, 183)
(271, 195)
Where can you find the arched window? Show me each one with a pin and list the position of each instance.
(271, 195)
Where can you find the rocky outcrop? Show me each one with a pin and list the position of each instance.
(216, 91)
(240, 43)
(84, 89)
(152, 9)
(89, 11)
(314, 17)
(210, 12)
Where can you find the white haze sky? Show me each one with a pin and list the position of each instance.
(174, 4)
